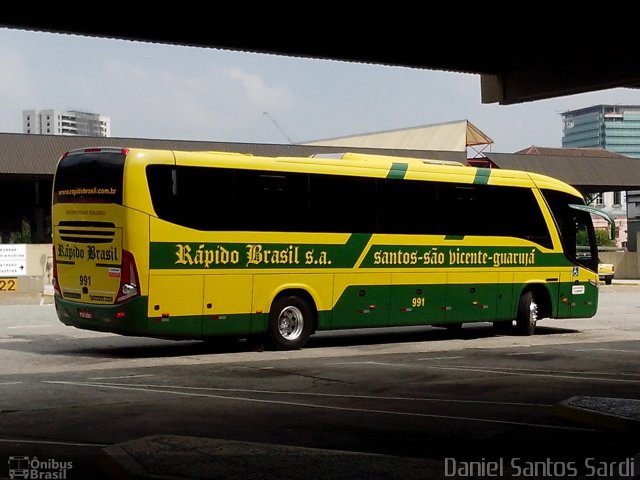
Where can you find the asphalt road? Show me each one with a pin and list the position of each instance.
(426, 393)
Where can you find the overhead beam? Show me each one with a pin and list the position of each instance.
(527, 72)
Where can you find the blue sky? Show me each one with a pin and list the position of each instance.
(188, 93)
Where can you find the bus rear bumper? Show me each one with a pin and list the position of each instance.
(129, 318)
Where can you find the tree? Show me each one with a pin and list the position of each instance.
(602, 238)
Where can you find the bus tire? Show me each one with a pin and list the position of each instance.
(527, 315)
(290, 323)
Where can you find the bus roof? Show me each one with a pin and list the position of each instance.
(348, 163)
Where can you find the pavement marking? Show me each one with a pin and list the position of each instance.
(122, 376)
(32, 326)
(324, 407)
(440, 358)
(317, 394)
(369, 362)
(522, 353)
(606, 350)
(534, 373)
(53, 442)
(506, 370)
(9, 383)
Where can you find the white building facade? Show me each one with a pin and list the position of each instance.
(58, 122)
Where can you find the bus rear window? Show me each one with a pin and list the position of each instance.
(90, 177)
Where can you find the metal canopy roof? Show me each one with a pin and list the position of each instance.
(451, 136)
(515, 63)
(37, 155)
(589, 171)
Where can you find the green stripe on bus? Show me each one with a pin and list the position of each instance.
(482, 176)
(398, 170)
(219, 256)
(428, 304)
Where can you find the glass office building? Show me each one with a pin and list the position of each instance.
(615, 128)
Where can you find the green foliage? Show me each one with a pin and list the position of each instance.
(602, 238)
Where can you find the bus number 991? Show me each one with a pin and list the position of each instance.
(417, 302)
(85, 281)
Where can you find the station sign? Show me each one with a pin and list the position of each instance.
(13, 260)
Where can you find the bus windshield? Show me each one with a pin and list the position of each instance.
(575, 228)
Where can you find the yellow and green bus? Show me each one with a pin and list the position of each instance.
(197, 245)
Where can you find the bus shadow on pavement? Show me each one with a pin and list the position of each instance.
(115, 346)
(169, 348)
(413, 334)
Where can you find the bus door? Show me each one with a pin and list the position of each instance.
(578, 293)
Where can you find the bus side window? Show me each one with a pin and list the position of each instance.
(276, 201)
(407, 207)
(517, 214)
(465, 209)
(342, 204)
(194, 197)
(161, 188)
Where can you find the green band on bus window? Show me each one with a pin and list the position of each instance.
(398, 170)
(482, 176)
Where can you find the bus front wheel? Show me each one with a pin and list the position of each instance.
(527, 314)
(290, 323)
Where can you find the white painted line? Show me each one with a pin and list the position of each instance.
(121, 376)
(32, 326)
(384, 364)
(307, 405)
(498, 371)
(606, 350)
(539, 370)
(327, 395)
(52, 442)
(522, 353)
(440, 358)
(324, 407)
(10, 383)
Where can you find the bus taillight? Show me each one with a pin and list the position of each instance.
(129, 283)
(54, 276)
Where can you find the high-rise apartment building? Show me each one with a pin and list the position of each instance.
(615, 128)
(57, 122)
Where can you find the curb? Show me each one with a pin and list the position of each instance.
(175, 457)
(117, 463)
(619, 414)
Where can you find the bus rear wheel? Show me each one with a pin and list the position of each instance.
(527, 316)
(290, 323)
